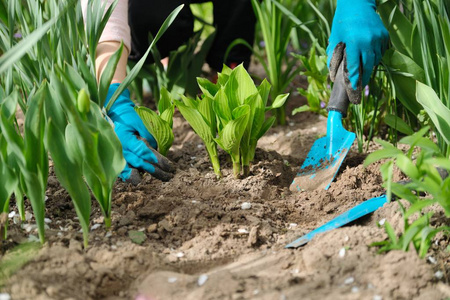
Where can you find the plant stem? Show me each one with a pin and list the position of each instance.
(212, 151)
(108, 222)
(236, 169)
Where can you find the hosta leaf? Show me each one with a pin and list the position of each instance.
(207, 87)
(279, 100)
(195, 119)
(230, 137)
(159, 128)
(205, 107)
(167, 115)
(221, 107)
(264, 91)
(165, 100)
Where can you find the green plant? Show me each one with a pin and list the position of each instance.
(318, 92)
(231, 114)
(51, 77)
(419, 59)
(426, 186)
(160, 124)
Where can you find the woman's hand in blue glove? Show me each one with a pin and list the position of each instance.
(358, 39)
(138, 144)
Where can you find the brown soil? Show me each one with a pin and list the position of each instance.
(201, 244)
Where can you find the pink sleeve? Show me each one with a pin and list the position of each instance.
(117, 28)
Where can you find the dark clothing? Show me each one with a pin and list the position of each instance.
(233, 19)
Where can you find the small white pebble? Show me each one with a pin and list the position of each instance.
(439, 274)
(289, 134)
(432, 260)
(5, 296)
(202, 279)
(342, 252)
(180, 254)
(33, 238)
(246, 205)
(377, 297)
(346, 239)
(108, 234)
(47, 220)
(295, 271)
(17, 220)
(141, 229)
(370, 286)
(199, 146)
(255, 292)
(95, 226)
(242, 230)
(29, 227)
(381, 222)
(355, 289)
(59, 233)
(194, 201)
(172, 279)
(291, 123)
(193, 157)
(349, 280)
(292, 225)
(11, 214)
(113, 247)
(28, 216)
(45, 199)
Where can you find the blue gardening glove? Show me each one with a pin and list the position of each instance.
(138, 145)
(358, 39)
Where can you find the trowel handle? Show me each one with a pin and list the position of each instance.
(339, 99)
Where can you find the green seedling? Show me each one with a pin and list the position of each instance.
(160, 124)
(425, 179)
(231, 114)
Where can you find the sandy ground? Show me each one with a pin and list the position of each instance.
(203, 242)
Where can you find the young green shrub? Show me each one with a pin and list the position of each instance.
(231, 114)
(160, 124)
(429, 183)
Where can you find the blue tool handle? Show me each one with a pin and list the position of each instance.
(339, 99)
(351, 215)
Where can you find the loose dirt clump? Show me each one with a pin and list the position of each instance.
(208, 238)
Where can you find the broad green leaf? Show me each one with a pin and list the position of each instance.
(279, 101)
(398, 124)
(205, 108)
(72, 181)
(207, 87)
(266, 126)
(438, 112)
(167, 115)
(230, 137)
(195, 119)
(159, 128)
(221, 106)
(264, 91)
(382, 154)
(418, 206)
(165, 100)
(407, 167)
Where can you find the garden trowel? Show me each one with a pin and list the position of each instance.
(327, 153)
(351, 215)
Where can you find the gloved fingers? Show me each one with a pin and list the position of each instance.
(335, 60)
(140, 148)
(162, 162)
(354, 94)
(130, 175)
(143, 132)
(368, 62)
(154, 170)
